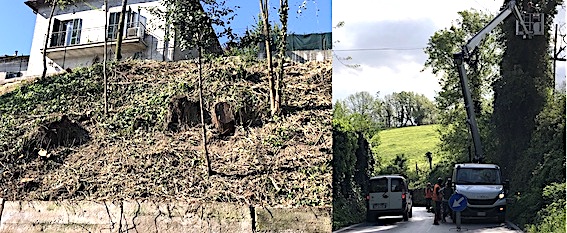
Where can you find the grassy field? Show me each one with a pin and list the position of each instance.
(413, 141)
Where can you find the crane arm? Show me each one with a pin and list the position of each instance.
(475, 41)
(462, 57)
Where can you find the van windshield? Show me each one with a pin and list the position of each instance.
(378, 185)
(478, 176)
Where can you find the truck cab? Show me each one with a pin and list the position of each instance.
(484, 188)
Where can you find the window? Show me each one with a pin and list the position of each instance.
(114, 22)
(478, 176)
(66, 32)
(398, 185)
(379, 185)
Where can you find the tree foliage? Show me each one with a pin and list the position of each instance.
(520, 92)
(353, 164)
(543, 163)
(393, 110)
(455, 135)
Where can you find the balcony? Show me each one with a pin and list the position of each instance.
(87, 42)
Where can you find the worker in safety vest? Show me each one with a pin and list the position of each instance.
(428, 196)
(437, 198)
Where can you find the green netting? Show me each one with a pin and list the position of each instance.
(315, 41)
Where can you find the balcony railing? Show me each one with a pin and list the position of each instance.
(135, 30)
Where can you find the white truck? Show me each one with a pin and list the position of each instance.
(484, 188)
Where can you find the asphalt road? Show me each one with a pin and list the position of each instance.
(423, 222)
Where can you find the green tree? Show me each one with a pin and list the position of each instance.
(362, 111)
(364, 103)
(543, 163)
(352, 165)
(455, 136)
(398, 165)
(520, 92)
(424, 110)
(364, 166)
(551, 218)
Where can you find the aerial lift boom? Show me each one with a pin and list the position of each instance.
(465, 56)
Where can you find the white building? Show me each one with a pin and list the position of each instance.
(77, 34)
(13, 68)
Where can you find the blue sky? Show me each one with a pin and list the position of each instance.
(17, 21)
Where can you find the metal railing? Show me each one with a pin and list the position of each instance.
(96, 35)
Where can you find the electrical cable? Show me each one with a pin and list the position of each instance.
(379, 49)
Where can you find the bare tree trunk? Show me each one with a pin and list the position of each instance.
(121, 30)
(105, 57)
(203, 126)
(47, 39)
(264, 8)
(281, 72)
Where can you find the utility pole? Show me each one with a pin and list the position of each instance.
(416, 170)
(428, 155)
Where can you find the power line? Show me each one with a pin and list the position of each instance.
(377, 49)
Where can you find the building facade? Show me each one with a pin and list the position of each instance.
(13, 67)
(77, 34)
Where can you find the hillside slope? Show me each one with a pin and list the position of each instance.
(413, 142)
(145, 150)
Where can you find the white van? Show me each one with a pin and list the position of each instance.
(388, 195)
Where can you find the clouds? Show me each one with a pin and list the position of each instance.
(386, 39)
(403, 27)
(401, 41)
(383, 79)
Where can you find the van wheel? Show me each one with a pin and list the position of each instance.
(371, 217)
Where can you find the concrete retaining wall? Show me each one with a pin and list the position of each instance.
(132, 216)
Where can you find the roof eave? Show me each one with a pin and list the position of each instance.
(34, 4)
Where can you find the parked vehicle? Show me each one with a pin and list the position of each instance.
(388, 195)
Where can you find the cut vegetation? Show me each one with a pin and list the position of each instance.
(57, 144)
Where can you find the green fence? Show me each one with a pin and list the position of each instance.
(314, 41)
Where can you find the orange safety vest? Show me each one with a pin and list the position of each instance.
(435, 191)
(428, 192)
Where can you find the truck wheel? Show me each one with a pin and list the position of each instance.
(371, 217)
(501, 219)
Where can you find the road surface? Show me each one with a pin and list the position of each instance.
(423, 222)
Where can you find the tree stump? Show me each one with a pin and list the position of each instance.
(183, 113)
(223, 119)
